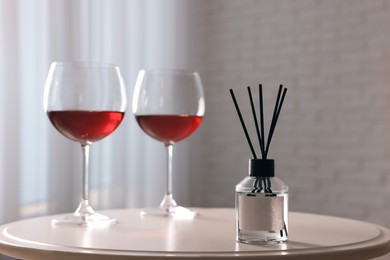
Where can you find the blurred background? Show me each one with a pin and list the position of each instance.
(331, 144)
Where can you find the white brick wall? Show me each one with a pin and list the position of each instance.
(332, 144)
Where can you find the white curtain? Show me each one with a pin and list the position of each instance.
(39, 168)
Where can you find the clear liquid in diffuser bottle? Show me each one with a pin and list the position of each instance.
(261, 206)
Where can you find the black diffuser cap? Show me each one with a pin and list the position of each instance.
(262, 167)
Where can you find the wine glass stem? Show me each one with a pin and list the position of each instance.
(85, 194)
(168, 190)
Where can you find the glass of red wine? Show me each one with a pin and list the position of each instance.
(85, 102)
(169, 106)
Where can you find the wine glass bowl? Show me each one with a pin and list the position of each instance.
(168, 106)
(85, 102)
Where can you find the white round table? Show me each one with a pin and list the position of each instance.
(210, 236)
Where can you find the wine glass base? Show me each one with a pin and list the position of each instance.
(174, 212)
(90, 220)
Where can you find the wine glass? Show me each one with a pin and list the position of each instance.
(85, 101)
(169, 106)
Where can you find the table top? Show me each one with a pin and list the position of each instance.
(211, 235)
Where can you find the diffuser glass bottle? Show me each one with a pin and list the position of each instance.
(261, 205)
(261, 198)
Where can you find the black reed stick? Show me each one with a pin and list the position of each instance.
(262, 146)
(243, 124)
(273, 119)
(256, 123)
(275, 116)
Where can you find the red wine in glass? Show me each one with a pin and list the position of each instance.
(169, 128)
(85, 102)
(169, 106)
(85, 126)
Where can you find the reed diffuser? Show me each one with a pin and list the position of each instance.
(261, 197)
